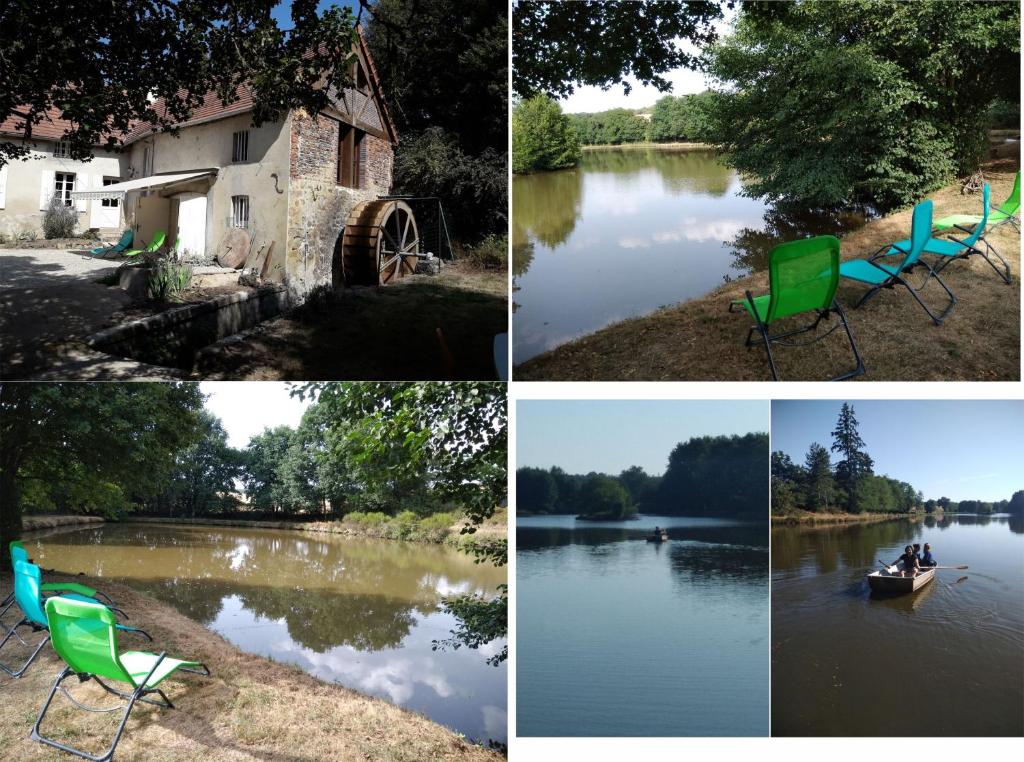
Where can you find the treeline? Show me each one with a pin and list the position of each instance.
(706, 476)
(850, 485)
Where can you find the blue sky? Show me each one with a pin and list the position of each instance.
(282, 12)
(963, 449)
(612, 435)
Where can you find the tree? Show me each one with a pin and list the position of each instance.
(879, 102)
(99, 447)
(855, 462)
(457, 433)
(558, 46)
(542, 136)
(445, 68)
(1016, 505)
(820, 484)
(640, 485)
(535, 491)
(264, 473)
(204, 474)
(686, 117)
(102, 64)
(603, 497)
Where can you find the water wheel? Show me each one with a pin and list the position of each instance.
(379, 243)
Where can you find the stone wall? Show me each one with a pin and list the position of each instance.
(317, 205)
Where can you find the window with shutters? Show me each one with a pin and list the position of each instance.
(240, 146)
(63, 184)
(351, 156)
(240, 211)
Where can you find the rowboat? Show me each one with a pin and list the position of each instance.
(883, 582)
(663, 537)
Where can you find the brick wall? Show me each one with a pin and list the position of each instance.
(317, 205)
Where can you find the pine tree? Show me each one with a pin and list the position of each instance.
(855, 463)
(820, 486)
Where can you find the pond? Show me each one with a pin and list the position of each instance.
(362, 613)
(631, 230)
(616, 636)
(943, 661)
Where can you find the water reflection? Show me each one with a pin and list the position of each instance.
(362, 613)
(628, 231)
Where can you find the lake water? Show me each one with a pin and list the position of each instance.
(362, 613)
(632, 230)
(947, 660)
(616, 636)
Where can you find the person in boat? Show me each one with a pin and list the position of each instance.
(657, 533)
(911, 565)
(926, 557)
(917, 552)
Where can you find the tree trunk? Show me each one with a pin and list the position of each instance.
(10, 516)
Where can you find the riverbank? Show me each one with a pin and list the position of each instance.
(700, 340)
(837, 517)
(234, 715)
(655, 146)
(39, 523)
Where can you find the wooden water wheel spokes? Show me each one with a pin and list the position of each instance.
(399, 243)
(380, 243)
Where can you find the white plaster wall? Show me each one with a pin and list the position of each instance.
(24, 181)
(209, 146)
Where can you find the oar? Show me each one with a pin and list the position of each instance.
(925, 568)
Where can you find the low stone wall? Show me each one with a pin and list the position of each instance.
(172, 338)
(35, 523)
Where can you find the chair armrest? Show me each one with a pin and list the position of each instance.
(68, 587)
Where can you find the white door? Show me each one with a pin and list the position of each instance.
(192, 224)
(106, 213)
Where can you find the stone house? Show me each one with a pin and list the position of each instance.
(289, 185)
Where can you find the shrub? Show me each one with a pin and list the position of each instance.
(490, 254)
(4, 238)
(167, 279)
(59, 219)
(27, 234)
(543, 137)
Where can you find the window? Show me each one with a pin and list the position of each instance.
(240, 146)
(351, 159)
(359, 79)
(63, 184)
(62, 149)
(110, 202)
(239, 211)
(147, 161)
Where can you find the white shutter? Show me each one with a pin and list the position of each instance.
(45, 188)
(3, 186)
(82, 183)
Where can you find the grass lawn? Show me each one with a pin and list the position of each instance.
(423, 327)
(251, 709)
(701, 340)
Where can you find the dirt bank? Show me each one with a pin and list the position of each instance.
(701, 340)
(251, 709)
(807, 517)
(36, 523)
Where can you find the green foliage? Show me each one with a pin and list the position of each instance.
(613, 127)
(103, 67)
(490, 254)
(168, 278)
(832, 103)
(542, 136)
(444, 65)
(855, 464)
(96, 448)
(1016, 504)
(603, 497)
(716, 476)
(59, 219)
(1004, 114)
(481, 620)
(683, 118)
(820, 486)
(557, 46)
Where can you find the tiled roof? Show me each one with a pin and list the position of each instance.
(52, 127)
(210, 109)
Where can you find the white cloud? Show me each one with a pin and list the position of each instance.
(246, 408)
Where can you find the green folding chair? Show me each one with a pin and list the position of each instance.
(29, 596)
(878, 275)
(1002, 215)
(948, 250)
(85, 637)
(802, 277)
(156, 243)
(117, 248)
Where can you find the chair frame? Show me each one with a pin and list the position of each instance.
(969, 250)
(139, 694)
(897, 279)
(822, 314)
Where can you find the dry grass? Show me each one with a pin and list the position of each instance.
(808, 517)
(700, 340)
(251, 709)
